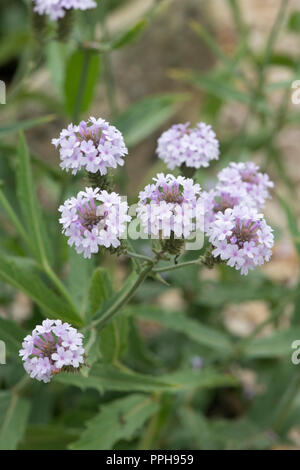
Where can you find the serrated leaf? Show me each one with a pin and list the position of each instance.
(147, 115)
(14, 412)
(16, 272)
(198, 332)
(120, 419)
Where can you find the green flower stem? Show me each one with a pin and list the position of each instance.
(138, 256)
(124, 298)
(171, 267)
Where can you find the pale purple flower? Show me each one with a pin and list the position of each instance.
(241, 237)
(170, 204)
(94, 219)
(51, 347)
(243, 180)
(194, 147)
(56, 9)
(94, 145)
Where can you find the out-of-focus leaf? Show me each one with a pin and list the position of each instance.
(120, 419)
(294, 22)
(196, 331)
(14, 413)
(219, 87)
(292, 223)
(106, 377)
(13, 44)
(50, 437)
(277, 345)
(17, 273)
(146, 116)
(198, 427)
(23, 125)
(82, 74)
(12, 335)
(29, 205)
(56, 59)
(130, 35)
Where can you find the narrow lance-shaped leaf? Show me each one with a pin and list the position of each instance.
(21, 275)
(30, 209)
(14, 412)
(147, 115)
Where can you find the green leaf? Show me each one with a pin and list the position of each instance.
(120, 419)
(80, 271)
(107, 377)
(29, 205)
(144, 117)
(24, 125)
(277, 345)
(49, 437)
(21, 275)
(56, 59)
(113, 339)
(100, 290)
(221, 88)
(292, 223)
(12, 335)
(294, 22)
(14, 412)
(194, 330)
(117, 298)
(130, 35)
(82, 74)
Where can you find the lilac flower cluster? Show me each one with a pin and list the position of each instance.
(94, 145)
(56, 9)
(94, 218)
(169, 205)
(194, 147)
(241, 237)
(243, 180)
(50, 348)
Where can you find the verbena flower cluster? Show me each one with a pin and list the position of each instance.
(194, 147)
(243, 180)
(92, 219)
(56, 9)
(169, 205)
(94, 145)
(52, 347)
(241, 237)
